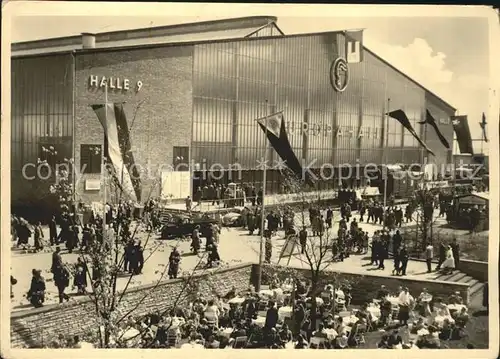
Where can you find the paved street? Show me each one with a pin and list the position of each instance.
(236, 246)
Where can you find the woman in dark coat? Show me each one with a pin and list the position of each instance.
(80, 279)
(196, 241)
(23, 233)
(173, 262)
(36, 293)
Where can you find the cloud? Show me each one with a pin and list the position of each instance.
(466, 91)
(417, 59)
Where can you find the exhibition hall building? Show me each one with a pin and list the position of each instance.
(190, 96)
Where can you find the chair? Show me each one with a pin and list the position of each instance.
(344, 314)
(173, 339)
(359, 336)
(240, 342)
(340, 305)
(315, 342)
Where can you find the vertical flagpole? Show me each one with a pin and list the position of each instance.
(262, 213)
(104, 163)
(385, 158)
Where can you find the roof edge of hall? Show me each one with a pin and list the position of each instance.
(210, 25)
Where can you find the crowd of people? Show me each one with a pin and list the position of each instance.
(86, 238)
(283, 316)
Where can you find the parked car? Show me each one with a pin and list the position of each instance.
(183, 226)
(233, 217)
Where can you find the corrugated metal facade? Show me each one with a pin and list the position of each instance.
(42, 107)
(237, 82)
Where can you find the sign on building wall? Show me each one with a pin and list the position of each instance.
(339, 74)
(93, 184)
(114, 83)
(316, 129)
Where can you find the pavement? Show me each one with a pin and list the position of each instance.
(235, 246)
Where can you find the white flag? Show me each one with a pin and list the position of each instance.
(354, 46)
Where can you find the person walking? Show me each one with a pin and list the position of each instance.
(397, 261)
(404, 257)
(61, 280)
(442, 255)
(329, 217)
(456, 252)
(382, 255)
(303, 239)
(173, 261)
(38, 236)
(53, 231)
(80, 278)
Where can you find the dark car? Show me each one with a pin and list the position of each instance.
(184, 227)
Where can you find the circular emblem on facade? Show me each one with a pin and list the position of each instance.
(339, 74)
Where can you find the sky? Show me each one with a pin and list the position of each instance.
(449, 55)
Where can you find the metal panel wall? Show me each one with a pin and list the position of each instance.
(42, 106)
(236, 83)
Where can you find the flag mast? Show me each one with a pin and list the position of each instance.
(262, 218)
(385, 157)
(104, 232)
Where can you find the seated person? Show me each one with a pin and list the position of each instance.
(342, 341)
(272, 340)
(394, 340)
(429, 341)
(305, 329)
(275, 282)
(455, 298)
(419, 325)
(234, 312)
(320, 333)
(285, 334)
(301, 343)
(339, 294)
(238, 331)
(462, 318)
(425, 296)
(446, 330)
(211, 343)
(340, 327)
(384, 342)
(440, 313)
(327, 296)
(329, 321)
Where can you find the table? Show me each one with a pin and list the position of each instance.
(339, 294)
(260, 321)
(374, 311)
(439, 320)
(393, 300)
(426, 298)
(226, 332)
(350, 320)
(285, 312)
(456, 307)
(422, 332)
(266, 292)
(330, 333)
(236, 300)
